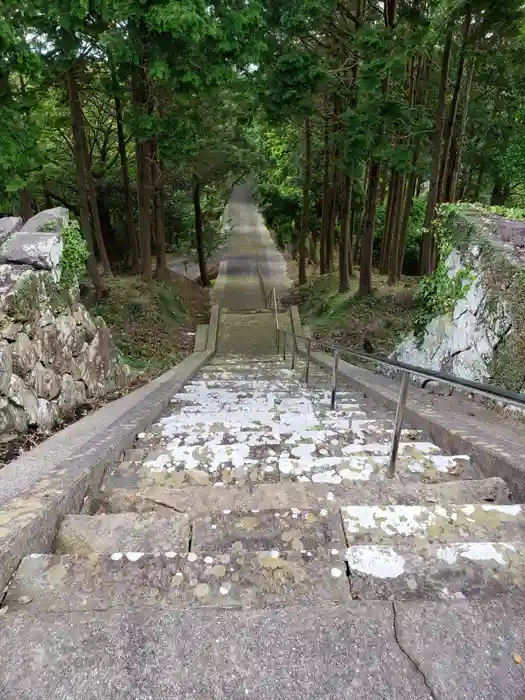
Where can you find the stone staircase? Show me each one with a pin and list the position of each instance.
(250, 491)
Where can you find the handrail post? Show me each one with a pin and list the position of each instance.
(293, 351)
(284, 344)
(400, 412)
(334, 378)
(308, 350)
(278, 340)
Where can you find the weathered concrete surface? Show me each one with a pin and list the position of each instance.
(238, 286)
(250, 334)
(343, 652)
(66, 582)
(198, 500)
(122, 532)
(468, 649)
(436, 571)
(391, 525)
(267, 530)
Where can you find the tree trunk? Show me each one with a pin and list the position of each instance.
(325, 220)
(500, 193)
(395, 236)
(387, 228)
(26, 205)
(344, 238)
(433, 192)
(124, 169)
(452, 117)
(157, 179)
(199, 240)
(83, 199)
(144, 185)
(306, 201)
(459, 141)
(365, 272)
(351, 237)
(92, 197)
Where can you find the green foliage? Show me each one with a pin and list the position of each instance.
(439, 293)
(74, 255)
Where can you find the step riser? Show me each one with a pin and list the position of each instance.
(60, 584)
(437, 572)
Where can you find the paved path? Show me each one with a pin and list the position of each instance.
(238, 286)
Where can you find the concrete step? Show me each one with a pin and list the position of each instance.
(241, 464)
(396, 524)
(361, 651)
(143, 532)
(62, 583)
(454, 570)
(200, 501)
(296, 529)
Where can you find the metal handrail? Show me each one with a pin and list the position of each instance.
(494, 393)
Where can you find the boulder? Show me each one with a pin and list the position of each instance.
(44, 382)
(24, 397)
(82, 318)
(10, 331)
(6, 366)
(24, 355)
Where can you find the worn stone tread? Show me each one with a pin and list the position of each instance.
(207, 500)
(395, 524)
(269, 529)
(63, 583)
(438, 571)
(144, 532)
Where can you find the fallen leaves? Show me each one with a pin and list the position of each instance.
(517, 658)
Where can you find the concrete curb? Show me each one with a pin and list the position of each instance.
(454, 431)
(30, 516)
(201, 338)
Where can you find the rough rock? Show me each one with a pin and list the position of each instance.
(44, 382)
(6, 366)
(72, 393)
(10, 331)
(24, 355)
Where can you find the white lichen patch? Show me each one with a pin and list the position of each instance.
(134, 556)
(378, 562)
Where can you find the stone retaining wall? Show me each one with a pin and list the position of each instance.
(53, 354)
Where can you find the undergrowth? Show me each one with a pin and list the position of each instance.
(375, 323)
(145, 318)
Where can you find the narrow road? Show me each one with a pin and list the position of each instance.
(238, 286)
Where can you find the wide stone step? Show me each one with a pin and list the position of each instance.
(243, 464)
(436, 571)
(395, 524)
(143, 532)
(61, 583)
(209, 500)
(296, 529)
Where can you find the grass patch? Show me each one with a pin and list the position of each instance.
(375, 324)
(152, 321)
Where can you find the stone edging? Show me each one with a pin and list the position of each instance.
(29, 519)
(455, 432)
